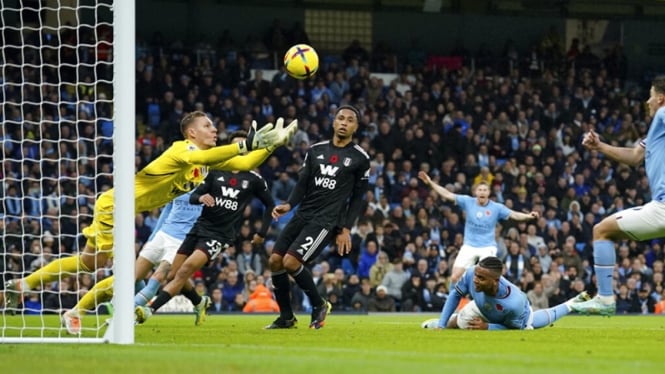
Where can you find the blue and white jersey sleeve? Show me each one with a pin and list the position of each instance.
(654, 155)
(160, 221)
(181, 217)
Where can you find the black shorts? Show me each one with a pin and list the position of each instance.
(210, 246)
(303, 239)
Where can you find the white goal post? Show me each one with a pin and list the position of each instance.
(66, 106)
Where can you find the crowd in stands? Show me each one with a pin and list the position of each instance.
(514, 119)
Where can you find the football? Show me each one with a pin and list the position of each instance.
(301, 61)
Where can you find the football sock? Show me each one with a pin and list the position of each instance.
(604, 259)
(304, 279)
(139, 285)
(162, 298)
(192, 295)
(54, 270)
(546, 317)
(101, 292)
(147, 293)
(282, 288)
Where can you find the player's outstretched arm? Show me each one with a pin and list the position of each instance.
(442, 191)
(632, 156)
(260, 143)
(247, 162)
(519, 216)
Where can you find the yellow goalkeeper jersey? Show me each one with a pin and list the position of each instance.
(182, 167)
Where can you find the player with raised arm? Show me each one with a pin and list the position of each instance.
(178, 170)
(224, 195)
(330, 189)
(638, 223)
(496, 303)
(482, 215)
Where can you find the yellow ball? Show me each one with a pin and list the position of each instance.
(301, 61)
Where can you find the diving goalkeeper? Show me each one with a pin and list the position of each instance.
(178, 170)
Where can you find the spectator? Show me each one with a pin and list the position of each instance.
(360, 300)
(232, 287)
(625, 302)
(395, 279)
(381, 301)
(379, 269)
(537, 297)
(261, 301)
(368, 258)
(282, 187)
(350, 288)
(248, 259)
(217, 302)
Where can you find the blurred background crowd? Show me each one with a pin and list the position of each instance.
(514, 119)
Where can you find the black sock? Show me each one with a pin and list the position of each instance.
(304, 279)
(282, 287)
(192, 295)
(162, 298)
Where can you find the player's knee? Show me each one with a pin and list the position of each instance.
(275, 262)
(185, 271)
(291, 263)
(603, 230)
(162, 273)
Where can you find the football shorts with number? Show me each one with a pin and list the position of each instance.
(303, 239)
(211, 246)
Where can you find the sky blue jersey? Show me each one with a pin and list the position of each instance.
(481, 220)
(509, 309)
(654, 157)
(177, 217)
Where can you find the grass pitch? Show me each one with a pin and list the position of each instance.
(379, 343)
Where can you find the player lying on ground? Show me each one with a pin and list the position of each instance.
(496, 303)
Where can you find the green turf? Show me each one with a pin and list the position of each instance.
(353, 344)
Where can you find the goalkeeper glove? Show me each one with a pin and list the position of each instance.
(258, 139)
(283, 134)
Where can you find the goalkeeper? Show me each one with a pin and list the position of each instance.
(178, 170)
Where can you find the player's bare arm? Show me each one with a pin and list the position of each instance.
(280, 210)
(442, 191)
(519, 216)
(632, 156)
(207, 200)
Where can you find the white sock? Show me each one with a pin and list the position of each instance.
(606, 299)
(23, 285)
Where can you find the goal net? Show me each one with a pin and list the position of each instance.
(60, 76)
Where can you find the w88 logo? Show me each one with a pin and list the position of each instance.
(325, 182)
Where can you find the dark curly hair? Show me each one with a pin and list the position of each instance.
(492, 263)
